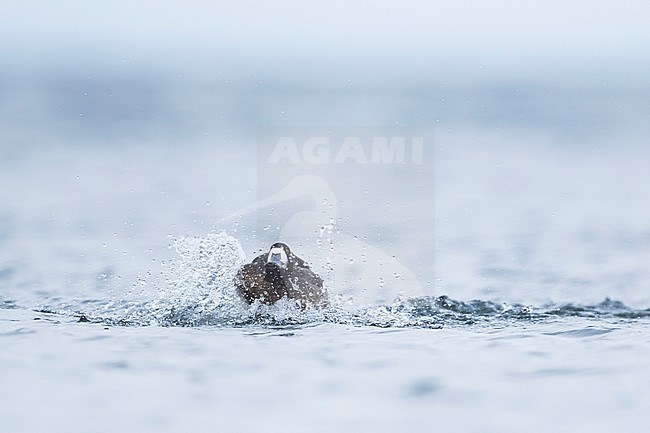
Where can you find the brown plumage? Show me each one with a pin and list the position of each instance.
(278, 274)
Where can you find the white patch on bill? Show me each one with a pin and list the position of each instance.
(278, 256)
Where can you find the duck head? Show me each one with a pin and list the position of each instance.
(279, 255)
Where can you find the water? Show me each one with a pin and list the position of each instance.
(117, 313)
(188, 354)
(572, 368)
(499, 285)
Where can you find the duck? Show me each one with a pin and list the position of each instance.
(280, 274)
(308, 201)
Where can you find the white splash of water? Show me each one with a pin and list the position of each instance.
(325, 242)
(204, 271)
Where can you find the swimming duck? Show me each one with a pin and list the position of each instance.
(278, 274)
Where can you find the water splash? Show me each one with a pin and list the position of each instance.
(204, 270)
(199, 291)
(325, 241)
(422, 312)
(198, 288)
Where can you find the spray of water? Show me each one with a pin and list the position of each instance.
(199, 290)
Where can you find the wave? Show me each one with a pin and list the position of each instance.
(198, 291)
(421, 312)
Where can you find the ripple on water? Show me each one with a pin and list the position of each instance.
(17, 332)
(199, 292)
(582, 332)
(423, 312)
(8, 305)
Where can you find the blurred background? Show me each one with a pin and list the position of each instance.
(125, 122)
